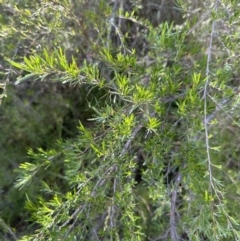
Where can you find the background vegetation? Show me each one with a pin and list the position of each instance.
(119, 120)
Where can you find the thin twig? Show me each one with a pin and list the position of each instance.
(128, 143)
(205, 94)
(4, 225)
(9, 72)
(173, 229)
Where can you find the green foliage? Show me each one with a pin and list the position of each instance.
(47, 65)
(147, 160)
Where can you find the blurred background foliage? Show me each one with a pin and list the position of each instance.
(38, 114)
